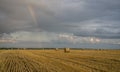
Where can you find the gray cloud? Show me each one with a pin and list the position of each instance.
(106, 30)
(82, 18)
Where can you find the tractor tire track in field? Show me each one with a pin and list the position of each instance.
(14, 61)
(73, 63)
(86, 63)
(53, 61)
(18, 61)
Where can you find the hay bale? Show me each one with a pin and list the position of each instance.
(99, 49)
(66, 50)
(56, 49)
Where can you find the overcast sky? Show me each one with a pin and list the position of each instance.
(60, 23)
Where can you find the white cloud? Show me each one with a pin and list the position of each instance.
(49, 39)
(34, 36)
(27, 36)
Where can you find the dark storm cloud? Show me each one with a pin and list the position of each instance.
(101, 35)
(96, 18)
(15, 15)
(12, 16)
(92, 9)
(108, 31)
(76, 15)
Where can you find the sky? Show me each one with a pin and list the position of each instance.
(60, 23)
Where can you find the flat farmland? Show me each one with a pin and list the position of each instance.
(58, 61)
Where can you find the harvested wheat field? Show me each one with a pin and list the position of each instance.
(58, 61)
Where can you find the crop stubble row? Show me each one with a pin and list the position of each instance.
(58, 61)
